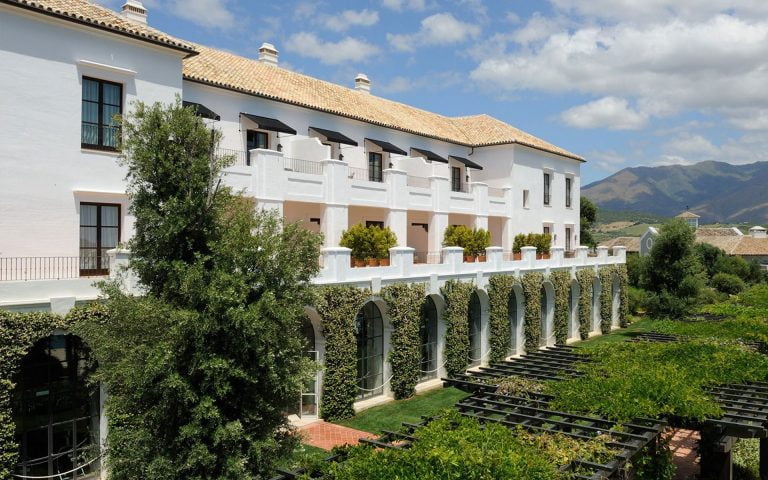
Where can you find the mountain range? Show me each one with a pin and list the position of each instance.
(718, 191)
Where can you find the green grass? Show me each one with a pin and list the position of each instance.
(622, 335)
(304, 456)
(393, 414)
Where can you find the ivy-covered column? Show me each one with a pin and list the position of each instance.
(585, 278)
(621, 271)
(606, 298)
(532, 292)
(405, 303)
(338, 307)
(561, 280)
(499, 291)
(457, 295)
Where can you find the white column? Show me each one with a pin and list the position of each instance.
(333, 223)
(336, 262)
(480, 195)
(438, 222)
(528, 255)
(397, 221)
(401, 258)
(453, 256)
(508, 230)
(620, 254)
(494, 257)
(481, 221)
(558, 255)
(336, 210)
(602, 254)
(269, 183)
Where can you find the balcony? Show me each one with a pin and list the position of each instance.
(24, 269)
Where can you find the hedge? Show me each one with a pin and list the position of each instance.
(561, 280)
(338, 307)
(18, 333)
(621, 271)
(585, 278)
(457, 295)
(499, 293)
(532, 292)
(606, 298)
(405, 302)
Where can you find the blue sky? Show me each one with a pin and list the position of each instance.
(621, 82)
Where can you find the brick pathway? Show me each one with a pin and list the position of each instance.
(683, 445)
(328, 435)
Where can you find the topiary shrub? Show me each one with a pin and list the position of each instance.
(561, 280)
(457, 295)
(727, 283)
(499, 291)
(623, 274)
(585, 278)
(405, 302)
(606, 298)
(338, 307)
(532, 292)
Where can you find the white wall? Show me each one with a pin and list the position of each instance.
(44, 173)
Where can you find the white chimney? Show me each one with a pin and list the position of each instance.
(362, 83)
(268, 54)
(758, 232)
(134, 10)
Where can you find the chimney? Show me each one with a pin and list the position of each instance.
(268, 54)
(758, 232)
(362, 84)
(134, 10)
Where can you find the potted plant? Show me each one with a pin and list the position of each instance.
(356, 238)
(482, 240)
(543, 245)
(383, 239)
(460, 236)
(517, 245)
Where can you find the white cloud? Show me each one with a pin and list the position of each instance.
(667, 67)
(690, 145)
(206, 13)
(609, 160)
(656, 10)
(400, 5)
(339, 22)
(537, 28)
(437, 29)
(348, 49)
(608, 112)
(687, 149)
(429, 80)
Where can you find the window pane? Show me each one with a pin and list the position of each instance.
(90, 112)
(88, 215)
(88, 260)
(112, 94)
(109, 237)
(110, 136)
(90, 90)
(109, 216)
(88, 237)
(90, 135)
(109, 113)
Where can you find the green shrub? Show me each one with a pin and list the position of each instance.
(543, 243)
(457, 295)
(637, 300)
(634, 269)
(405, 303)
(359, 239)
(709, 295)
(606, 298)
(749, 272)
(561, 280)
(709, 255)
(519, 242)
(756, 296)
(459, 236)
(531, 282)
(585, 278)
(499, 291)
(482, 240)
(746, 459)
(383, 240)
(727, 283)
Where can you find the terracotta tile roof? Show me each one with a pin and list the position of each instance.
(632, 243)
(227, 70)
(84, 12)
(687, 214)
(717, 232)
(738, 245)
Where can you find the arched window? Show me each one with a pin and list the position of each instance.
(55, 411)
(543, 334)
(307, 402)
(370, 351)
(428, 335)
(513, 324)
(475, 350)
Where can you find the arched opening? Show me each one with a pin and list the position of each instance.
(615, 300)
(596, 305)
(56, 411)
(513, 323)
(307, 401)
(573, 310)
(428, 335)
(475, 325)
(544, 333)
(369, 327)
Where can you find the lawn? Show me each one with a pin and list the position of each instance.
(303, 456)
(622, 335)
(391, 415)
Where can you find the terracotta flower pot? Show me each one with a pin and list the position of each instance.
(358, 262)
(517, 256)
(542, 256)
(373, 262)
(469, 259)
(383, 262)
(481, 258)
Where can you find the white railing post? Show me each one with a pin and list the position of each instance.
(528, 255)
(336, 262)
(582, 253)
(402, 259)
(453, 256)
(269, 183)
(335, 217)
(493, 257)
(620, 254)
(558, 255)
(602, 254)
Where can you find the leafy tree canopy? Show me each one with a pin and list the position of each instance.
(588, 214)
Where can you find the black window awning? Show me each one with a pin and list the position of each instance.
(431, 156)
(387, 147)
(335, 137)
(201, 110)
(466, 162)
(271, 124)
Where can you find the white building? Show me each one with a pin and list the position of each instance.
(323, 154)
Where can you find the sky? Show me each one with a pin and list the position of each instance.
(621, 82)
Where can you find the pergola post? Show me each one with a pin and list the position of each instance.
(764, 459)
(716, 460)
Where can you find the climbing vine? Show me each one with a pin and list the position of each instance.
(532, 292)
(457, 295)
(499, 293)
(606, 298)
(338, 307)
(561, 280)
(18, 334)
(621, 271)
(585, 278)
(405, 302)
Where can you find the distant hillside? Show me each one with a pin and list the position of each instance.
(719, 192)
(610, 216)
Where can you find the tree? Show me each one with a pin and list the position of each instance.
(588, 214)
(709, 255)
(672, 273)
(201, 369)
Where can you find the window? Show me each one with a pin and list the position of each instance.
(526, 194)
(547, 180)
(568, 182)
(99, 232)
(369, 327)
(375, 172)
(428, 335)
(255, 139)
(374, 223)
(456, 179)
(568, 239)
(547, 230)
(102, 100)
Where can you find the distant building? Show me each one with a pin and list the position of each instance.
(646, 241)
(632, 244)
(690, 218)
